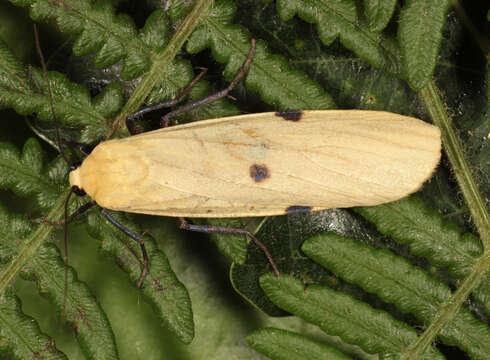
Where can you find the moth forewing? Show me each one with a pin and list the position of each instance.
(263, 164)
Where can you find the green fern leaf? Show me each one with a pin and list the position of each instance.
(279, 344)
(339, 19)
(48, 271)
(26, 92)
(25, 174)
(178, 9)
(155, 34)
(336, 313)
(20, 336)
(94, 332)
(409, 221)
(378, 13)
(397, 281)
(231, 43)
(420, 36)
(482, 294)
(113, 38)
(99, 30)
(161, 286)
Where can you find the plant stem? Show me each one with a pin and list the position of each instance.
(449, 310)
(459, 165)
(479, 213)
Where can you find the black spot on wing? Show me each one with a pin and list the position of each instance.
(259, 172)
(297, 209)
(294, 115)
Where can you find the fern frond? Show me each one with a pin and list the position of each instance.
(26, 92)
(20, 335)
(46, 268)
(269, 75)
(420, 36)
(340, 19)
(161, 287)
(398, 282)
(26, 174)
(379, 13)
(410, 222)
(99, 30)
(337, 313)
(280, 344)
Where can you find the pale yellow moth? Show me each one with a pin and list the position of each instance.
(257, 165)
(263, 164)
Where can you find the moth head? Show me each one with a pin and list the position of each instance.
(74, 178)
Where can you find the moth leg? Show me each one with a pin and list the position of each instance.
(215, 96)
(69, 218)
(80, 211)
(183, 224)
(131, 118)
(135, 237)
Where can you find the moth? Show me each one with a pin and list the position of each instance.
(263, 164)
(256, 165)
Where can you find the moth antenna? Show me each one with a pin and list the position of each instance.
(65, 257)
(60, 146)
(50, 94)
